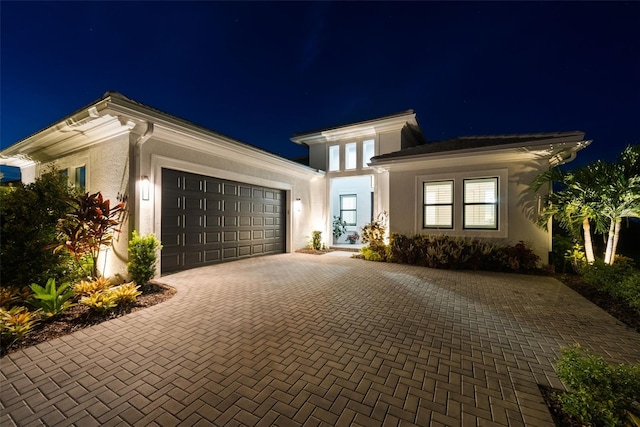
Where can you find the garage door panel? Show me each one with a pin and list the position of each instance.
(206, 220)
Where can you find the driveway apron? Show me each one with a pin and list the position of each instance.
(296, 339)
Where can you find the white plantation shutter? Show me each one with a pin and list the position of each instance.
(438, 204)
(481, 203)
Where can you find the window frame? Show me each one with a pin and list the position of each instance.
(495, 203)
(365, 161)
(77, 179)
(426, 226)
(354, 210)
(347, 157)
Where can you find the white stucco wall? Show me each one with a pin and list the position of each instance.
(107, 171)
(520, 210)
(302, 217)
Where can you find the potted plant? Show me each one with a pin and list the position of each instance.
(353, 237)
(339, 227)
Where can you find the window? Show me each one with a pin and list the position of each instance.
(348, 208)
(481, 203)
(81, 178)
(334, 158)
(350, 156)
(368, 151)
(438, 205)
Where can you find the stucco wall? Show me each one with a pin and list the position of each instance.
(107, 171)
(303, 216)
(405, 202)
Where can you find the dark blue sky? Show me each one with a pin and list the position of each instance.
(260, 72)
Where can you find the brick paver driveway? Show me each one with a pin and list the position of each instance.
(299, 339)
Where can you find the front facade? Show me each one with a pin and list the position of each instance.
(210, 198)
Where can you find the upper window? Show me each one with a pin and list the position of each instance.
(438, 204)
(368, 151)
(481, 203)
(350, 155)
(334, 158)
(81, 178)
(348, 211)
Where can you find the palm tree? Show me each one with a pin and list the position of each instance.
(619, 185)
(573, 205)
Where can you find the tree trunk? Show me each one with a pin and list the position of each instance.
(616, 236)
(607, 254)
(588, 246)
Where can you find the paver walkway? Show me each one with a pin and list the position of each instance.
(298, 339)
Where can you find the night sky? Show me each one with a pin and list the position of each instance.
(259, 72)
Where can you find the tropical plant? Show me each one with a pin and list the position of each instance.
(101, 302)
(143, 256)
(375, 231)
(339, 227)
(619, 185)
(353, 237)
(51, 300)
(16, 323)
(88, 227)
(125, 293)
(572, 206)
(600, 394)
(87, 287)
(316, 240)
(28, 217)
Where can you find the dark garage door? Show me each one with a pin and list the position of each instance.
(208, 220)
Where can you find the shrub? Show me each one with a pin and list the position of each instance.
(28, 218)
(101, 301)
(85, 288)
(16, 323)
(375, 231)
(619, 279)
(143, 255)
(51, 300)
(125, 293)
(599, 393)
(374, 253)
(316, 240)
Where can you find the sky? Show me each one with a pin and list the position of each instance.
(260, 72)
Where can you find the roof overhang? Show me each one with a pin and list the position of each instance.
(366, 128)
(114, 115)
(556, 150)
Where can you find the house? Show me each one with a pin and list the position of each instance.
(211, 198)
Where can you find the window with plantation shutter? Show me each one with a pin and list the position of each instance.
(438, 204)
(480, 208)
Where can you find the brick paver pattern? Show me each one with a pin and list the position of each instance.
(295, 339)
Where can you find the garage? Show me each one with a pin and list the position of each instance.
(207, 220)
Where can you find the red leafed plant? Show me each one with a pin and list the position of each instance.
(88, 227)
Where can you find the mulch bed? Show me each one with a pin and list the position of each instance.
(81, 316)
(559, 417)
(313, 251)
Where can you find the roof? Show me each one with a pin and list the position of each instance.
(476, 142)
(363, 122)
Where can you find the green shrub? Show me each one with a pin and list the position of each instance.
(28, 218)
(339, 227)
(143, 255)
(316, 240)
(599, 393)
(374, 253)
(51, 300)
(619, 279)
(16, 323)
(374, 232)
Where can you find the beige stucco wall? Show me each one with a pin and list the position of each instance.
(405, 200)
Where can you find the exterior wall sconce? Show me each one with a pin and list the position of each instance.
(145, 187)
(298, 204)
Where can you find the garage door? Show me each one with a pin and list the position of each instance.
(207, 220)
